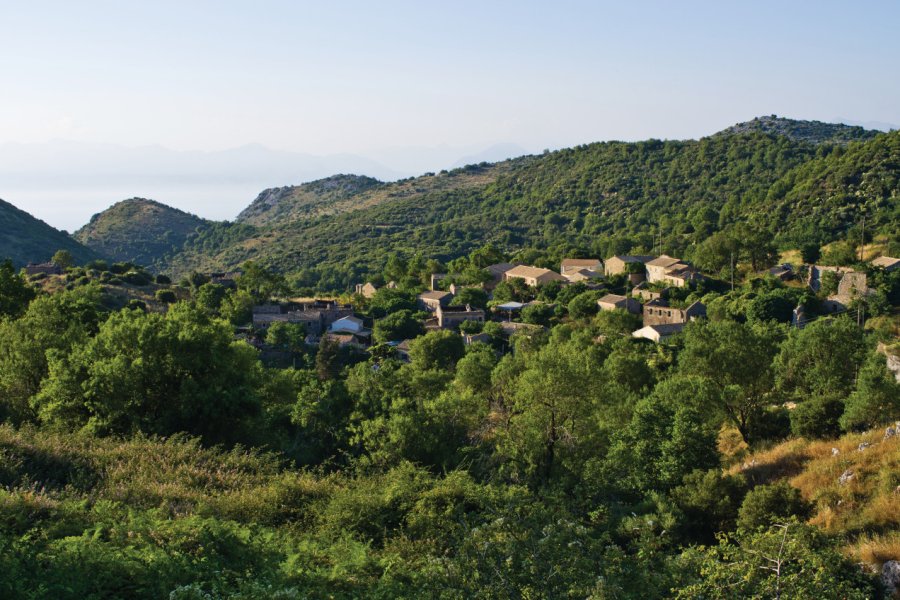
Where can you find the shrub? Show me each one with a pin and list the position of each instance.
(166, 296)
(817, 417)
(767, 504)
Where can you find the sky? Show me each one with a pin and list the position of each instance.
(390, 81)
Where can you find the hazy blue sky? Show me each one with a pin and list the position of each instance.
(412, 86)
(326, 77)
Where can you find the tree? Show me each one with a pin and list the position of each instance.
(210, 297)
(63, 259)
(15, 293)
(473, 370)
(436, 350)
(398, 326)
(51, 326)
(876, 399)
(287, 336)
(549, 421)
(662, 444)
(260, 282)
(820, 359)
(788, 560)
(475, 297)
(736, 357)
(810, 253)
(584, 305)
(156, 374)
(817, 417)
(237, 307)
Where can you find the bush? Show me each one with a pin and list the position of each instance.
(163, 280)
(767, 504)
(817, 418)
(166, 296)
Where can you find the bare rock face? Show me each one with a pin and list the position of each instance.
(846, 476)
(890, 577)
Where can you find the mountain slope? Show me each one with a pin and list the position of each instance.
(138, 230)
(323, 196)
(593, 196)
(25, 239)
(814, 132)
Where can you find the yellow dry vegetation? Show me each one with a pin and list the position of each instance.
(864, 509)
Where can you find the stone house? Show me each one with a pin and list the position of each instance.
(617, 302)
(887, 263)
(434, 299)
(585, 275)
(658, 333)
(449, 317)
(366, 290)
(658, 312)
(48, 268)
(669, 270)
(571, 265)
(532, 276)
(615, 265)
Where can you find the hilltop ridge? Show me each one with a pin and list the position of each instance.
(138, 230)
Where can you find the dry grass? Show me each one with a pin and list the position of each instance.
(865, 509)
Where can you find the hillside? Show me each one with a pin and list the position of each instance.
(602, 198)
(138, 230)
(814, 132)
(864, 508)
(25, 239)
(285, 204)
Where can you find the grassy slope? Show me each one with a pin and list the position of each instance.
(25, 239)
(865, 510)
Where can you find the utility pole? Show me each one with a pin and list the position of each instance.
(732, 270)
(862, 241)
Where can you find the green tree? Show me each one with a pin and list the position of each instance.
(475, 297)
(15, 293)
(397, 326)
(789, 560)
(736, 357)
(820, 359)
(436, 350)
(63, 259)
(287, 336)
(166, 296)
(260, 282)
(52, 325)
(584, 305)
(810, 253)
(209, 297)
(876, 399)
(156, 374)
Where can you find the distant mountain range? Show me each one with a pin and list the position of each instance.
(792, 177)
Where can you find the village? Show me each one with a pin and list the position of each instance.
(655, 290)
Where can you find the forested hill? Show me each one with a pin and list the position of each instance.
(599, 198)
(138, 230)
(815, 132)
(25, 239)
